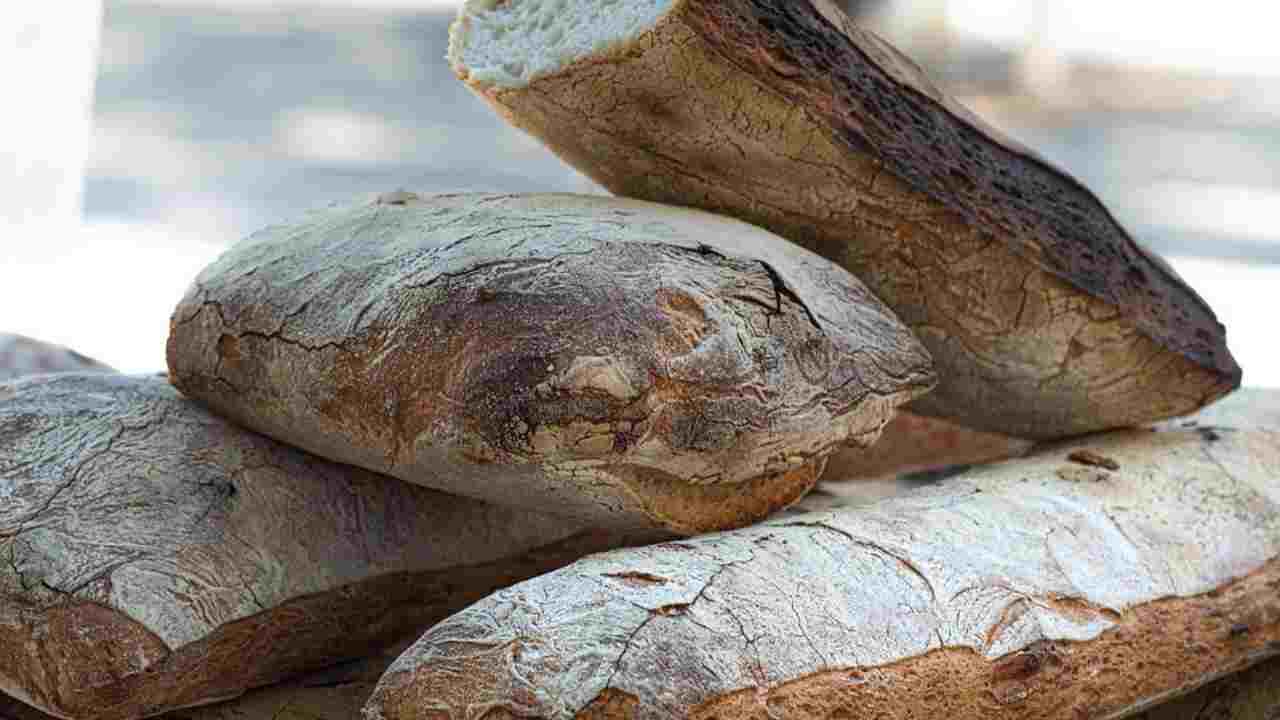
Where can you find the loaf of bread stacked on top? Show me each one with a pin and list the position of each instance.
(423, 414)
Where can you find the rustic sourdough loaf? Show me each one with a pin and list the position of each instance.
(21, 355)
(1045, 318)
(158, 557)
(1079, 582)
(628, 364)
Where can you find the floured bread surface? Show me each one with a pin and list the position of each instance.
(624, 363)
(1087, 580)
(510, 43)
(1045, 318)
(155, 556)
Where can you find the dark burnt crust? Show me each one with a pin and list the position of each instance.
(1046, 216)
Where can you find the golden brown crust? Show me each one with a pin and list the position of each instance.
(154, 556)
(1175, 643)
(1020, 589)
(1045, 318)
(597, 358)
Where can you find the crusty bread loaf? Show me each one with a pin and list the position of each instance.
(605, 359)
(21, 355)
(157, 557)
(1045, 318)
(1080, 582)
(339, 693)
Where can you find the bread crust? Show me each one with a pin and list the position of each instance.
(157, 557)
(603, 359)
(1045, 318)
(1037, 588)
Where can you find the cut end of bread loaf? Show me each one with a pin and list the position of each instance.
(509, 43)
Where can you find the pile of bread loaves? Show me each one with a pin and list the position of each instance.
(576, 439)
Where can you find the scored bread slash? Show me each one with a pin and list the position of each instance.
(157, 557)
(620, 362)
(1005, 592)
(1044, 317)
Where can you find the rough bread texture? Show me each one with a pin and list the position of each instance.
(1043, 587)
(157, 557)
(610, 360)
(1045, 318)
(1250, 695)
(21, 355)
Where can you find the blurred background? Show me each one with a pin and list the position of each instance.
(146, 135)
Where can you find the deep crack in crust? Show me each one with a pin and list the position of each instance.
(156, 557)
(1045, 318)
(1007, 592)
(604, 359)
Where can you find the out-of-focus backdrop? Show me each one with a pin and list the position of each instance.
(143, 136)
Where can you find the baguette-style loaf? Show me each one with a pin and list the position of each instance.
(1080, 582)
(610, 360)
(158, 557)
(21, 355)
(1045, 318)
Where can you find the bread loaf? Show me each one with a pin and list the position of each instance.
(157, 557)
(1045, 318)
(1081, 582)
(609, 360)
(20, 355)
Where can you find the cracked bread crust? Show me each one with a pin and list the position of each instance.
(610, 360)
(153, 556)
(1044, 317)
(1013, 591)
